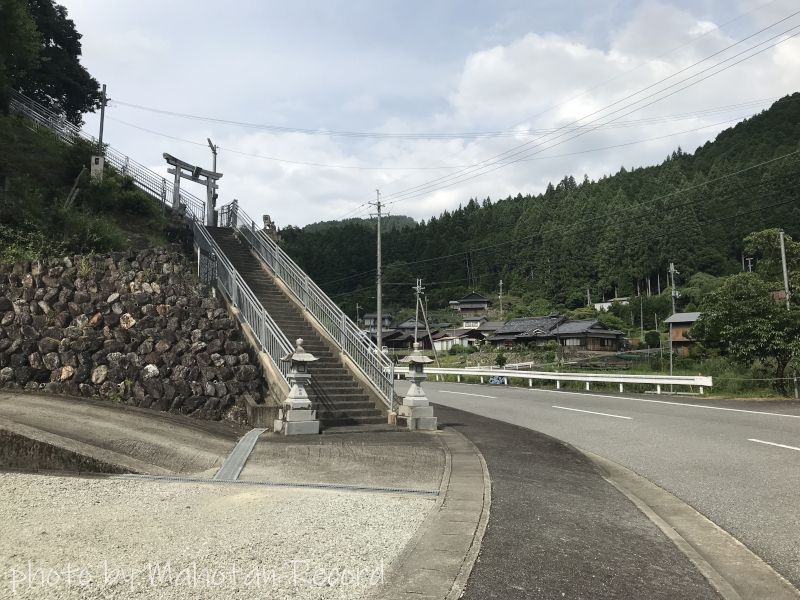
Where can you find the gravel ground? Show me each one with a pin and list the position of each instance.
(99, 526)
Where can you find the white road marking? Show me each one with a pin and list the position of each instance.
(592, 412)
(755, 412)
(465, 394)
(774, 444)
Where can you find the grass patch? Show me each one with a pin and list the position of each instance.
(34, 223)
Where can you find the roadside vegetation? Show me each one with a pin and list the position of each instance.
(38, 173)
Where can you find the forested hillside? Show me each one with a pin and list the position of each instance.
(608, 236)
(388, 223)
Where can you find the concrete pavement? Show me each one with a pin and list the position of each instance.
(705, 456)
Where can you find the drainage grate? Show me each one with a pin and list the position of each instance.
(317, 486)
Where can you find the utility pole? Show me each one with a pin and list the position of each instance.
(358, 307)
(672, 272)
(788, 293)
(214, 149)
(102, 121)
(379, 335)
(418, 290)
(501, 298)
(428, 328)
(588, 297)
(641, 316)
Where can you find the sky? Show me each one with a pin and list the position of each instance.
(421, 78)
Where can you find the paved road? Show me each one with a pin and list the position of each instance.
(558, 530)
(704, 456)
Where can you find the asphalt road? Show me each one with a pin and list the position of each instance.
(704, 456)
(557, 530)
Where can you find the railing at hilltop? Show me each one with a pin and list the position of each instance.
(148, 181)
(271, 339)
(354, 343)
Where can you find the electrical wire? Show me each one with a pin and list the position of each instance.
(410, 193)
(605, 215)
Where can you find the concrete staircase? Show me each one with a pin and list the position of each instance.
(339, 399)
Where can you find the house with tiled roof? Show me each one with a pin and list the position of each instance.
(583, 334)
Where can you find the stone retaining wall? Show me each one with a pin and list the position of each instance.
(134, 327)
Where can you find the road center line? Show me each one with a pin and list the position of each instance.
(593, 413)
(742, 410)
(774, 444)
(466, 394)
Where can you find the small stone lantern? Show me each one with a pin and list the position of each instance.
(416, 412)
(296, 416)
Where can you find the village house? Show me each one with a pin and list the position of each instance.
(584, 334)
(371, 321)
(473, 305)
(681, 323)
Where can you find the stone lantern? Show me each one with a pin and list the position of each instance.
(416, 412)
(296, 416)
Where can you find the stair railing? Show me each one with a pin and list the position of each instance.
(148, 181)
(271, 339)
(354, 343)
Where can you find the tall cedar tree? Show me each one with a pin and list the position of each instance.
(60, 81)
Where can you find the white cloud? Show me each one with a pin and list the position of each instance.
(489, 89)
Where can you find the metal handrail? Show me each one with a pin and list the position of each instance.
(148, 181)
(354, 343)
(272, 340)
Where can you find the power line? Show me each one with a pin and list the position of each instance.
(398, 195)
(604, 215)
(593, 88)
(366, 168)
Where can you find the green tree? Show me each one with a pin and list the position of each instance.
(743, 318)
(501, 360)
(60, 81)
(20, 46)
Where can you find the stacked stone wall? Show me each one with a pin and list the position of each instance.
(134, 327)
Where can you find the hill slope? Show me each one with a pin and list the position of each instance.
(608, 236)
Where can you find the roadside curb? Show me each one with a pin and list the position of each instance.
(732, 569)
(437, 561)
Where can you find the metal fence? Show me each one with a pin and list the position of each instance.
(354, 343)
(271, 339)
(148, 181)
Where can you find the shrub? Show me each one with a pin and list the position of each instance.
(652, 339)
(501, 360)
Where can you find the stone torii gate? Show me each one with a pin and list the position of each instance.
(198, 175)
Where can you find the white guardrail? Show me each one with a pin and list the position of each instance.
(272, 340)
(374, 364)
(700, 382)
(145, 179)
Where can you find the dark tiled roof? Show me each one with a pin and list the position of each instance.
(490, 326)
(474, 297)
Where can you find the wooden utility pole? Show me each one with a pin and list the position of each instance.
(379, 335)
(788, 293)
(358, 307)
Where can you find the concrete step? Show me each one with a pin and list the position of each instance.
(326, 415)
(344, 422)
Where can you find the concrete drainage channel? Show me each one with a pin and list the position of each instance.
(317, 486)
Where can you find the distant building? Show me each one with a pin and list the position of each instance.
(606, 305)
(584, 334)
(488, 328)
(681, 323)
(371, 321)
(444, 340)
(474, 322)
(473, 305)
